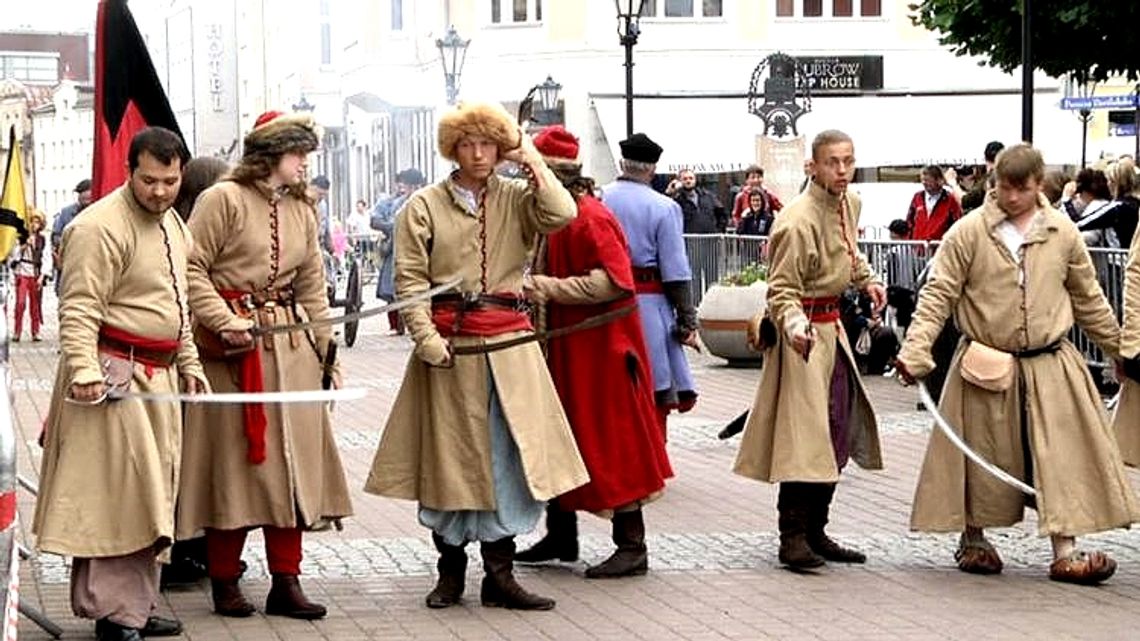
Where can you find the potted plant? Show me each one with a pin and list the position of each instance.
(726, 309)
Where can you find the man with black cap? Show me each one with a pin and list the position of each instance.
(63, 219)
(384, 221)
(652, 224)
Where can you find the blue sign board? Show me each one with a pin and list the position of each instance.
(1126, 101)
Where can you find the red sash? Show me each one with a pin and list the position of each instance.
(482, 319)
(151, 353)
(251, 378)
(821, 310)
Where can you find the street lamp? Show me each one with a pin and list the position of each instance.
(303, 105)
(452, 53)
(629, 16)
(1085, 115)
(546, 112)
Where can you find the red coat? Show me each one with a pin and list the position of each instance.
(932, 225)
(602, 374)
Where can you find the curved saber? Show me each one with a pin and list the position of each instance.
(236, 398)
(948, 432)
(366, 313)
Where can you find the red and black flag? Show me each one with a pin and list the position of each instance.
(128, 95)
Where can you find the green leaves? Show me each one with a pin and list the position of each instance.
(1091, 39)
(749, 274)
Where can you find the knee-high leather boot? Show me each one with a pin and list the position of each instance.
(500, 590)
(560, 542)
(452, 566)
(820, 543)
(632, 556)
(795, 507)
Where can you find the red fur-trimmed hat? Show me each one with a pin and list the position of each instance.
(276, 133)
(559, 148)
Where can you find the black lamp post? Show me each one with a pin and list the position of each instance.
(629, 16)
(1027, 71)
(452, 53)
(303, 105)
(1085, 116)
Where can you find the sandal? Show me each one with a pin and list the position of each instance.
(977, 557)
(1082, 568)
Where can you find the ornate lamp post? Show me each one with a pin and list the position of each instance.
(629, 16)
(545, 112)
(304, 105)
(452, 53)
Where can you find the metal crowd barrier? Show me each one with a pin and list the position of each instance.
(714, 257)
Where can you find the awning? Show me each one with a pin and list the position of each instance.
(712, 135)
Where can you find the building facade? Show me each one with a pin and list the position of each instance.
(63, 137)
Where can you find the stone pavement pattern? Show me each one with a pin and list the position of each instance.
(712, 546)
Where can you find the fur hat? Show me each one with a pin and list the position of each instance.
(558, 147)
(485, 119)
(276, 133)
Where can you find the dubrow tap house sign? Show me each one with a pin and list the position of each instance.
(842, 73)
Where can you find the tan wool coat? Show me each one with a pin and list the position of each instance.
(110, 472)
(436, 446)
(1077, 471)
(1127, 418)
(301, 483)
(813, 254)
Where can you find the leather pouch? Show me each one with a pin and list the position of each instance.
(988, 368)
(761, 333)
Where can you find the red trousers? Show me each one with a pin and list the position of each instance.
(223, 551)
(28, 294)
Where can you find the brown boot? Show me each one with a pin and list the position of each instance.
(288, 600)
(631, 557)
(500, 590)
(560, 542)
(794, 508)
(452, 566)
(228, 599)
(820, 543)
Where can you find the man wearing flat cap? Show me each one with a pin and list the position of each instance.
(384, 221)
(62, 220)
(661, 274)
(479, 440)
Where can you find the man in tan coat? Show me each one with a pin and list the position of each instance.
(257, 263)
(110, 467)
(480, 441)
(1127, 419)
(811, 412)
(1015, 275)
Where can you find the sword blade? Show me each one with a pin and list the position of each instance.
(948, 432)
(367, 313)
(239, 398)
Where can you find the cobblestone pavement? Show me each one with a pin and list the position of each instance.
(712, 543)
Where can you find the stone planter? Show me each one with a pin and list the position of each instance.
(724, 314)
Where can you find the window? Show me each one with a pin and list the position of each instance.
(828, 8)
(516, 11)
(35, 69)
(326, 33)
(397, 15)
(682, 9)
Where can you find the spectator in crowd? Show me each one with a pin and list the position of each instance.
(1125, 190)
(754, 182)
(977, 195)
(63, 219)
(384, 217)
(757, 219)
(701, 210)
(357, 223)
(902, 274)
(1094, 207)
(28, 268)
(1054, 186)
(933, 209)
(874, 344)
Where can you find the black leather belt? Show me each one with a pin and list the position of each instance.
(475, 300)
(1039, 351)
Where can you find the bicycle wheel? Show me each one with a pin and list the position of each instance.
(353, 302)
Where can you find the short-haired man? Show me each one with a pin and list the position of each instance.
(110, 469)
(933, 209)
(754, 183)
(383, 219)
(811, 413)
(1015, 275)
(65, 218)
(480, 441)
(661, 273)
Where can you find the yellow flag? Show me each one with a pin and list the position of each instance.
(13, 204)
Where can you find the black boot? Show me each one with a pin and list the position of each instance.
(500, 590)
(794, 508)
(452, 566)
(229, 600)
(560, 542)
(108, 630)
(820, 543)
(631, 557)
(288, 600)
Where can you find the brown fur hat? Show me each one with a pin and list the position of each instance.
(276, 133)
(485, 119)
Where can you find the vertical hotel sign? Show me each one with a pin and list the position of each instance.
(842, 73)
(215, 64)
